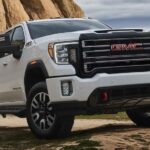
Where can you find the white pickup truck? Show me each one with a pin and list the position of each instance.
(52, 70)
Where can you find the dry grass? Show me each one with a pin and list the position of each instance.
(119, 116)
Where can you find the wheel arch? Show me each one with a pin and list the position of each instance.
(35, 72)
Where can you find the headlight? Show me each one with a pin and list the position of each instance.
(63, 53)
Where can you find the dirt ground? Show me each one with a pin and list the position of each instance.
(95, 134)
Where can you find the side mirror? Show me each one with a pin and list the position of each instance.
(6, 47)
(16, 51)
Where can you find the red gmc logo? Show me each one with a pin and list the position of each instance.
(125, 47)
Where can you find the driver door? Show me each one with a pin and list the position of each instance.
(11, 77)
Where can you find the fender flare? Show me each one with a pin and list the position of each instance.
(36, 64)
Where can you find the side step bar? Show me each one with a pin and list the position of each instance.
(12, 109)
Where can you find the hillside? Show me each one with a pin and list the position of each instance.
(15, 11)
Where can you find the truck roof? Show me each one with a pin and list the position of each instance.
(54, 19)
(41, 20)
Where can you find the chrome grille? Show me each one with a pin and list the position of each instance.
(97, 56)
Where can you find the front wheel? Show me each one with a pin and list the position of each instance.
(41, 118)
(141, 117)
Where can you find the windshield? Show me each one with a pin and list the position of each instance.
(44, 28)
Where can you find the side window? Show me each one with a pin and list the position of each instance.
(10, 33)
(18, 37)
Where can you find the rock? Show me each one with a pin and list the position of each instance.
(2, 17)
(68, 8)
(38, 9)
(15, 11)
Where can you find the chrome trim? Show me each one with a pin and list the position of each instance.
(102, 58)
(115, 61)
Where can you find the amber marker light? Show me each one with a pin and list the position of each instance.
(33, 62)
(50, 50)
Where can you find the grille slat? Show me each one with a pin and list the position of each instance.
(97, 56)
(95, 51)
(120, 39)
(146, 48)
(117, 61)
(99, 46)
(145, 44)
(118, 56)
(109, 69)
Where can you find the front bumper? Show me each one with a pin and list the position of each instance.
(83, 88)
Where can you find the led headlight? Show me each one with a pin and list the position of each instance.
(62, 53)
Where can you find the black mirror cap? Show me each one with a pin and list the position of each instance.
(11, 49)
(17, 52)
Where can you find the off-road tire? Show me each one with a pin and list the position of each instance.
(140, 117)
(59, 126)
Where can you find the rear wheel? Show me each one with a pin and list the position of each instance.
(41, 118)
(140, 117)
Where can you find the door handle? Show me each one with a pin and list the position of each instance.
(5, 63)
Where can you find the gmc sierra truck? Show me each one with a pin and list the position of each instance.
(52, 70)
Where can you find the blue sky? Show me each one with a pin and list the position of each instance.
(119, 13)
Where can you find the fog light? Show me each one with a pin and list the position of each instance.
(66, 88)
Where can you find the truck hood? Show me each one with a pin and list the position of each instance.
(74, 36)
(63, 37)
